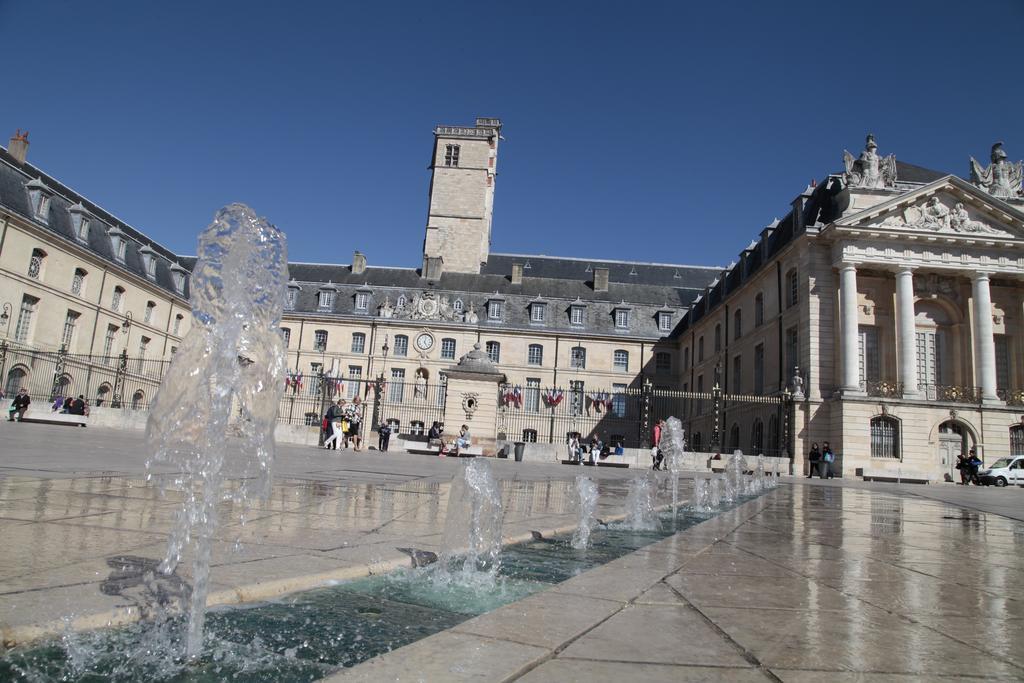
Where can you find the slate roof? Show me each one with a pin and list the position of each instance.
(14, 197)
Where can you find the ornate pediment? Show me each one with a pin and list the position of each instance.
(423, 306)
(949, 207)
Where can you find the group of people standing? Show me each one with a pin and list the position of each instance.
(821, 460)
(341, 424)
(968, 466)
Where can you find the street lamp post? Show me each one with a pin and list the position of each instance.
(5, 318)
(378, 385)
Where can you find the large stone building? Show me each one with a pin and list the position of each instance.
(888, 300)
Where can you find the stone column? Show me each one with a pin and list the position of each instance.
(906, 332)
(984, 343)
(848, 330)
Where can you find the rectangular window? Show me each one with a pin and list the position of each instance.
(737, 375)
(320, 340)
(286, 335)
(578, 357)
(535, 354)
(869, 361)
(315, 372)
(70, 320)
(148, 315)
(494, 310)
(619, 400)
(77, 281)
(531, 400)
(493, 350)
(24, 327)
(621, 318)
(108, 341)
(362, 301)
(355, 373)
(663, 361)
(792, 353)
(451, 155)
(700, 350)
(538, 312)
(326, 300)
(1002, 361)
(358, 342)
(396, 391)
(116, 298)
(143, 346)
(759, 369)
(929, 366)
(576, 315)
(448, 349)
(620, 360)
(401, 345)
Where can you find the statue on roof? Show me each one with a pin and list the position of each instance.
(870, 171)
(1002, 178)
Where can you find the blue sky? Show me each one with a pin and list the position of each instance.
(668, 132)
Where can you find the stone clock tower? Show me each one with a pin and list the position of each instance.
(461, 198)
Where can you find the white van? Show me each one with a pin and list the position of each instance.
(1003, 471)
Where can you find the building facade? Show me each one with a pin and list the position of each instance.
(888, 302)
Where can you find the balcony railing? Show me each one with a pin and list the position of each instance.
(883, 388)
(1013, 397)
(950, 393)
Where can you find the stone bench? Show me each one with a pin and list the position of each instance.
(48, 417)
(599, 463)
(750, 464)
(419, 448)
(885, 474)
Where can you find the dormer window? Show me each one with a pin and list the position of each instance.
(178, 276)
(538, 312)
(495, 309)
(39, 196)
(118, 244)
(362, 301)
(622, 318)
(457, 306)
(577, 316)
(664, 321)
(291, 297)
(325, 300)
(80, 219)
(148, 262)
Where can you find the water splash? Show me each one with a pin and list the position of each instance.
(673, 445)
(586, 508)
(715, 492)
(231, 362)
(640, 515)
(701, 501)
(471, 545)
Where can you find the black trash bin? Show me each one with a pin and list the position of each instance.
(520, 447)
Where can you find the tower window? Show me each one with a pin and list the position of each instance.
(451, 155)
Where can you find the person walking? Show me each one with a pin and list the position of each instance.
(827, 458)
(814, 460)
(355, 420)
(973, 463)
(383, 437)
(657, 457)
(333, 418)
(964, 466)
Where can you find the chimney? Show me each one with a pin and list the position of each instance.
(432, 267)
(517, 273)
(600, 279)
(18, 146)
(358, 263)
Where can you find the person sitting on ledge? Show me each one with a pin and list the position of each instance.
(463, 440)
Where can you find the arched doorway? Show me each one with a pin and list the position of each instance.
(16, 379)
(954, 440)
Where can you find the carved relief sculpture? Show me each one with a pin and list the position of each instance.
(870, 171)
(426, 306)
(386, 310)
(937, 217)
(1002, 178)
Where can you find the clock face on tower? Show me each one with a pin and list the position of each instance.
(424, 341)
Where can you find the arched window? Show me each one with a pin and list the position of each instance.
(620, 360)
(737, 324)
(400, 303)
(117, 298)
(530, 435)
(493, 350)
(401, 345)
(578, 357)
(320, 340)
(759, 310)
(177, 323)
(139, 400)
(535, 354)
(78, 282)
(35, 263)
(757, 437)
(16, 379)
(718, 337)
(734, 438)
(457, 306)
(792, 288)
(150, 307)
(1017, 440)
(286, 336)
(885, 437)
